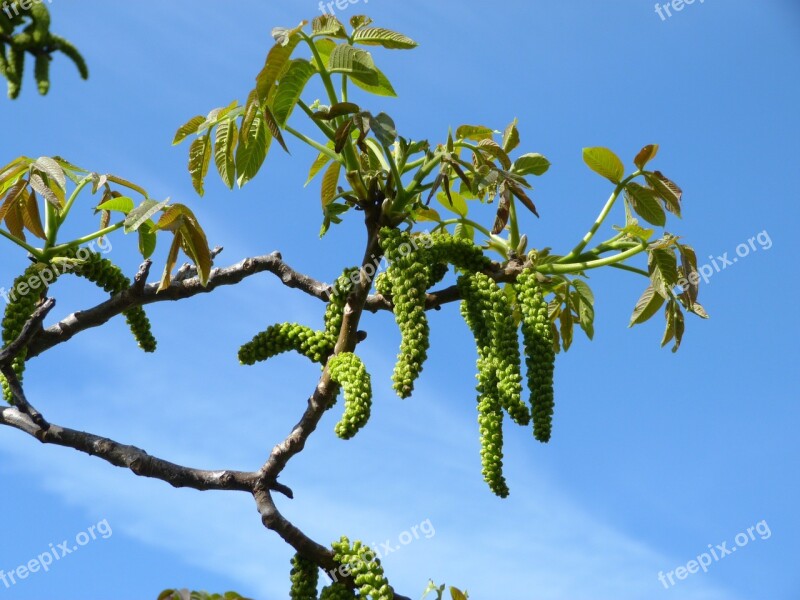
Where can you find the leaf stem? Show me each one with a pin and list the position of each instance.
(600, 219)
(315, 144)
(36, 252)
(555, 268)
(87, 238)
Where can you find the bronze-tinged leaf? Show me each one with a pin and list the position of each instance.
(337, 110)
(195, 245)
(342, 135)
(522, 196)
(39, 185)
(14, 193)
(14, 221)
(31, 217)
(645, 155)
(690, 272)
(437, 183)
(680, 326)
(199, 160)
(503, 211)
(645, 204)
(669, 317)
(493, 150)
(172, 258)
(667, 190)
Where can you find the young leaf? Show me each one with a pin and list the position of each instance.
(382, 87)
(329, 182)
(38, 185)
(199, 159)
(359, 21)
(511, 137)
(318, 164)
(458, 206)
(645, 204)
(328, 25)
(646, 307)
(645, 155)
(531, 164)
(277, 58)
(290, 88)
(31, 218)
(337, 110)
(224, 146)
(250, 156)
(384, 129)
(52, 169)
(172, 258)
(604, 162)
(142, 213)
(122, 204)
(147, 243)
(126, 183)
(474, 132)
(663, 268)
(376, 36)
(191, 126)
(668, 191)
(358, 64)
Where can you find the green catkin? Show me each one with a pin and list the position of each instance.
(408, 279)
(59, 43)
(16, 65)
(347, 370)
(335, 311)
(460, 252)
(365, 569)
(539, 353)
(19, 309)
(283, 337)
(42, 73)
(305, 577)
(108, 276)
(336, 591)
(476, 308)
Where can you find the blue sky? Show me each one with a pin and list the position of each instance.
(654, 456)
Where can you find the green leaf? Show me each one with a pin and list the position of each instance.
(383, 87)
(459, 205)
(199, 159)
(645, 204)
(191, 126)
(250, 156)
(646, 307)
(634, 230)
(356, 63)
(273, 67)
(423, 213)
(328, 25)
(224, 146)
(359, 21)
(290, 88)
(645, 155)
(318, 164)
(172, 258)
(604, 162)
(457, 594)
(329, 183)
(147, 243)
(511, 137)
(474, 132)
(274, 128)
(122, 204)
(663, 268)
(376, 36)
(384, 129)
(142, 213)
(531, 164)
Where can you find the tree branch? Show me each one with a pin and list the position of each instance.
(29, 330)
(140, 295)
(135, 459)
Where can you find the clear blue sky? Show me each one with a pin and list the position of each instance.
(654, 456)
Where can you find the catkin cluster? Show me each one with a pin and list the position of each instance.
(19, 309)
(283, 337)
(487, 312)
(304, 576)
(337, 591)
(408, 277)
(334, 313)
(365, 569)
(539, 352)
(108, 276)
(347, 370)
(35, 39)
